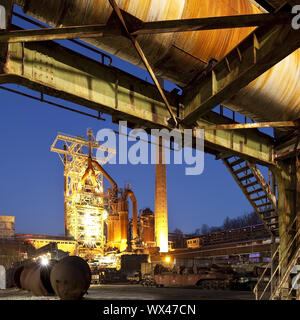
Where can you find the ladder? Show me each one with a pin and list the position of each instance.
(256, 190)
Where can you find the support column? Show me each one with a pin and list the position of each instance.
(297, 224)
(287, 199)
(273, 238)
(161, 206)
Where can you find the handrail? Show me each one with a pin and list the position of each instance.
(279, 264)
(298, 254)
(255, 290)
(288, 269)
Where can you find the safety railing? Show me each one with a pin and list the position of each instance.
(279, 282)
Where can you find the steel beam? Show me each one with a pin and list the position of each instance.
(238, 21)
(287, 149)
(63, 73)
(55, 33)
(90, 31)
(261, 50)
(143, 57)
(238, 126)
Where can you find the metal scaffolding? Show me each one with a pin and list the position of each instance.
(85, 206)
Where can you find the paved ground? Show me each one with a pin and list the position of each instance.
(137, 292)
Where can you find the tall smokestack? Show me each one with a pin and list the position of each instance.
(161, 206)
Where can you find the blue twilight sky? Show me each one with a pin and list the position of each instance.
(31, 176)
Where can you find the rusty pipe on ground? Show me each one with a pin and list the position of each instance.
(70, 278)
(134, 212)
(35, 278)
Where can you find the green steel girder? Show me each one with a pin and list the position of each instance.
(60, 72)
(261, 50)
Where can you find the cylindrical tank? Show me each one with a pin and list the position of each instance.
(147, 226)
(113, 230)
(123, 207)
(36, 278)
(70, 278)
(179, 57)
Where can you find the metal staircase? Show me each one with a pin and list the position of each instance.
(276, 285)
(256, 190)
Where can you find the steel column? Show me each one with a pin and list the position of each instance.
(287, 200)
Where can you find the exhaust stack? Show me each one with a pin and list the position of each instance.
(161, 205)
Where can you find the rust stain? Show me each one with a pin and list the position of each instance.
(131, 95)
(274, 96)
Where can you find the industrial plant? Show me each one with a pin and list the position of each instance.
(234, 70)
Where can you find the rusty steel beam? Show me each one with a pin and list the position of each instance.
(90, 31)
(225, 22)
(257, 53)
(238, 126)
(287, 149)
(60, 72)
(46, 34)
(143, 57)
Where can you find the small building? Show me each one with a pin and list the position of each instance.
(193, 243)
(66, 244)
(7, 227)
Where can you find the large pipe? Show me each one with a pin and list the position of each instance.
(106, 175)
(70, 278)
(179, 57)
(134, 213)
(35, 278)
(88, 171)
(123, 215)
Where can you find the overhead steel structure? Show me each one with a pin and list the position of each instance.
(243, 54)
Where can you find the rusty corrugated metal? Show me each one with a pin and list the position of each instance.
(179, 57)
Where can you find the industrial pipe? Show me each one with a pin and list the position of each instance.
(182, 56)
(70, 278)
(36, 278)
(86, 174)
(123, 216)
(106, 175)
(134, 212)
(89, 170)
(16, 275)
